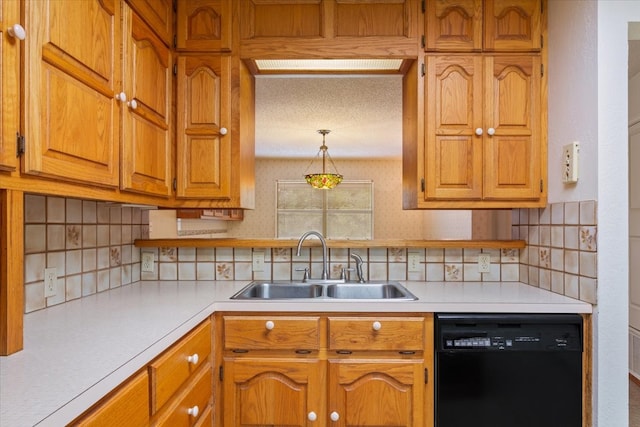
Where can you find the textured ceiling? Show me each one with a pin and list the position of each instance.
(364, 114)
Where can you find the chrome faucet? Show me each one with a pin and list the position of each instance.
(358, 260)
(325, 258)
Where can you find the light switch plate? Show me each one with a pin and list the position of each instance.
(50, 281)
(413, 261)
(570, 163)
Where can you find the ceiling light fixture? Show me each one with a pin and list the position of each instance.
(324, 180)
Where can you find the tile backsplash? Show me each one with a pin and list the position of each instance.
(89, 243)
(562, 248)
(434, 265)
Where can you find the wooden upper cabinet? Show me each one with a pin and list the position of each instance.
(203, 25)
(513, 150)
(453, 113)
(483, 128)
(203, 150)
(159, 15)
(146, 123)
(509, 25)
(71, 117)
(328, 28)
(9, 84)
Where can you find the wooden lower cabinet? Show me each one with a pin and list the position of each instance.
(173, 390)
(339, 382)
(127, 406)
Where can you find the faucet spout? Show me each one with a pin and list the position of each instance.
(358, 260)
(325, 258)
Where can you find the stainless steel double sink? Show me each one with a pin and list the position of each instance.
(287, 290)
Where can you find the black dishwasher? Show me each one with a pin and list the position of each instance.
(508, 370)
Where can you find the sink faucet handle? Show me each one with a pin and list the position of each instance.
(343, 273)
(305, 276)
(358, 260)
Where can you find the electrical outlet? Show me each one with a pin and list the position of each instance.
(570, 163)
(50, 281)
(484, 263)
(258, 261)
(414, 261)
(147, 262)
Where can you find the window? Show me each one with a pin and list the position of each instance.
(345, 212)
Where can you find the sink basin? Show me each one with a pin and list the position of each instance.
(385, 291)
(298, 290)
(274, 290)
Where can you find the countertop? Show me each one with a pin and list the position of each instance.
(76, 352)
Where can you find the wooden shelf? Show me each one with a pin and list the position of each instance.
(287, 243)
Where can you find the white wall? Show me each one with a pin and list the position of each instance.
(604, 154)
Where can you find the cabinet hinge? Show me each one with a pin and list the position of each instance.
(19, 144)
(541, 185)
(175, 42)
(175, 5)
(426, 376)
(422, 185)
(424, 6)
(541, 69)
(424, 69)
(423, 41)
(175, 184)
(221, 373)
(541, 41)
(175, 69)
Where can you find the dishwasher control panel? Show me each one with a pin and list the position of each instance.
(507, 334)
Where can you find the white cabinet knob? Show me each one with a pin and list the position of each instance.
(377, 326)
(479, 131)
(133, 104)
(193, 359)
(17, 31)
(122, 97)
(311, 416)
(491, 131)
(194, 411)
(223, 131)
(334, 416)
(269, 325)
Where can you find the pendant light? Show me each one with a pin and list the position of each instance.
(324, 180)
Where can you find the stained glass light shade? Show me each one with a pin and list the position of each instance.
(325, 180)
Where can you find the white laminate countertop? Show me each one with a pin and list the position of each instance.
(76, 352)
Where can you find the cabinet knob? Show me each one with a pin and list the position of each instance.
(479, 131)
(17, 31)
(377, 326)
(491, 131)
(133, 104)
(269, 325)
(193, 411)
(334, 416)
(311, 416)
(223, 131)
(193, 359)
(122, 97)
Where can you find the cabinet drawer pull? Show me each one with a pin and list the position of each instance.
(303, 351)
(407, 352)
(334, 416)
(491, 131)
(223, 131)
(194, 411)
(193, 359)
(312, 416)
(479, 131)
(269, 325)
(240, 350)
(376, 326)
(343, 352)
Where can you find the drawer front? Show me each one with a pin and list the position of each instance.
(271, 332)
(177, 364)
(196, 394)
(376, 333)
(128, 406)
